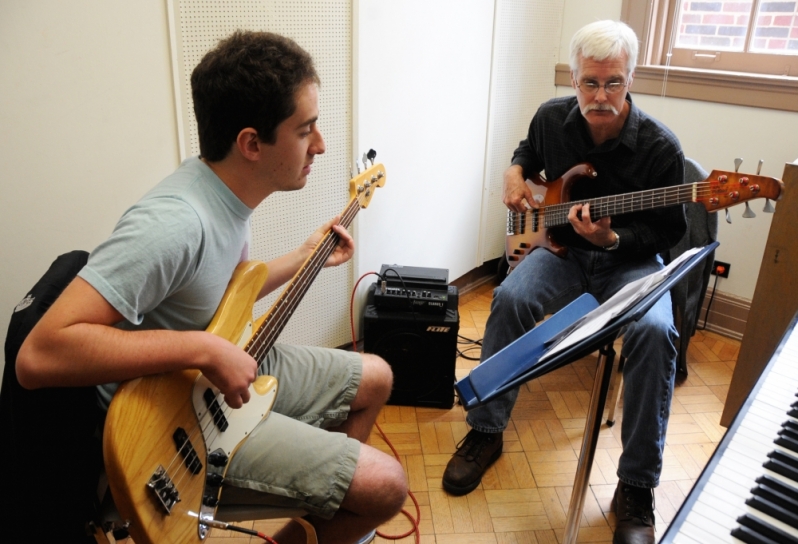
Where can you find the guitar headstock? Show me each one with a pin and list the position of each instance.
(729, 188)
(362, 186)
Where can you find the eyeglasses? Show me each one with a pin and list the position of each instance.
(591, 87)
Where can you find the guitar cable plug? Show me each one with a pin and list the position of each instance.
(216, 524)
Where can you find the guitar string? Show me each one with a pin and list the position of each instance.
(283, 312)
(556, 214)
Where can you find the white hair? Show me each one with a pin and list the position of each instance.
(604, 40)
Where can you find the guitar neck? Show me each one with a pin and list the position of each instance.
(278, 315)
(607, 206)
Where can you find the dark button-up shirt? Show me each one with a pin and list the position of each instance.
(646, 155)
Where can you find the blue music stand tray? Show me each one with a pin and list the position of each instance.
(520, 362)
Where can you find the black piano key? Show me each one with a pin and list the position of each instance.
(783, 464)
(787, 431)
(772, 509)
(788, 442)
(790, 426)
(779, 487)
(756, 531)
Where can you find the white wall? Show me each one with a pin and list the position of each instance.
(713, 134)
(423, 74)
(88, 125)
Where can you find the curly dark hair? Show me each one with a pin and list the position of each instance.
(248, 80)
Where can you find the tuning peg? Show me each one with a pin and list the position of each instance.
(759, 167)
(371, 155)
(748, 213)
(737, 162)
(357, 165)
(365, 160)
(768, 207)
(728, 216)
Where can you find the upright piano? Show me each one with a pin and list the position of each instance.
(748, 492)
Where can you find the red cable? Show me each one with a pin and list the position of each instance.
(417, 520)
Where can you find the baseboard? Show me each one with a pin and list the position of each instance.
(727, 315)
(477, 276)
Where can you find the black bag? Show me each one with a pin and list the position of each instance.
(52, 447)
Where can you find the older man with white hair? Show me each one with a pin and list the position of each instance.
(631, 152)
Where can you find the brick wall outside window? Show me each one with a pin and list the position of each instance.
(721, 25)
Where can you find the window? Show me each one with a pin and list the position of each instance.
(758, 36)
(741, 52)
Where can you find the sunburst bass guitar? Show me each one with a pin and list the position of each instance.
(168, 438)
(529, 230)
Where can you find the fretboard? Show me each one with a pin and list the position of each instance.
(557, 214)
(278, 315)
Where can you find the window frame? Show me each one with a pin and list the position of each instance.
(651, 21)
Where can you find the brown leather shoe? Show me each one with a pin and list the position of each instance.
(475, 453)
(634, 510)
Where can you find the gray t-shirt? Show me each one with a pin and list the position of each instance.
(171, 255)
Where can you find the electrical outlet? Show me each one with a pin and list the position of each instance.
(721, 269)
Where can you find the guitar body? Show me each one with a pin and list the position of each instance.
(145, 412)
(525, 232)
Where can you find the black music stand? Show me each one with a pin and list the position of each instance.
(521, 361)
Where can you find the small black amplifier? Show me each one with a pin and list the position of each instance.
(421, 349)
(414, 289)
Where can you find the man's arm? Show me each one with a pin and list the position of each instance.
(76, 344)
(284, 268)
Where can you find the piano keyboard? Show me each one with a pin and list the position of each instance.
(748, 491)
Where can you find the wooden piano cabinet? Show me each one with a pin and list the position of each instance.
(775, 299)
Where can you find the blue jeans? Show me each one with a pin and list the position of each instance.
(542, 284)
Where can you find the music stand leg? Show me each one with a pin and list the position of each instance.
(598, 398)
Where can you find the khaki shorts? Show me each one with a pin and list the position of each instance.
(290, 459)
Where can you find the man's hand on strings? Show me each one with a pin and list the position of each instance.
(597, 233)
(515, 193)
(343, 250)
(229, 368)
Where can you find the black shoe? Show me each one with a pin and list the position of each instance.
(634, 511)
(475, 453)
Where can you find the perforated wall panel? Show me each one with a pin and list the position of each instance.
(285, 220)
(526, 43)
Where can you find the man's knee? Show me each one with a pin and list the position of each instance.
(396, 488)
(379, 487)
(377, 379)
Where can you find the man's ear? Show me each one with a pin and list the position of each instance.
(630, 80)
(573, 80)
(248, 144)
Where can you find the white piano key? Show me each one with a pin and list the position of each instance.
(719, 517)
(704, 529)
(715, 494)
(729, 485)
(682, 538)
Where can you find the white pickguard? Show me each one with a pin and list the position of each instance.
(241, 421)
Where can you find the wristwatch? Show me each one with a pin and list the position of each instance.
(616, 244)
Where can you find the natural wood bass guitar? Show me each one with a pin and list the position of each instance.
(168, 438)
(529, 230)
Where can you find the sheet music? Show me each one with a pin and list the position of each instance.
(616, 305)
